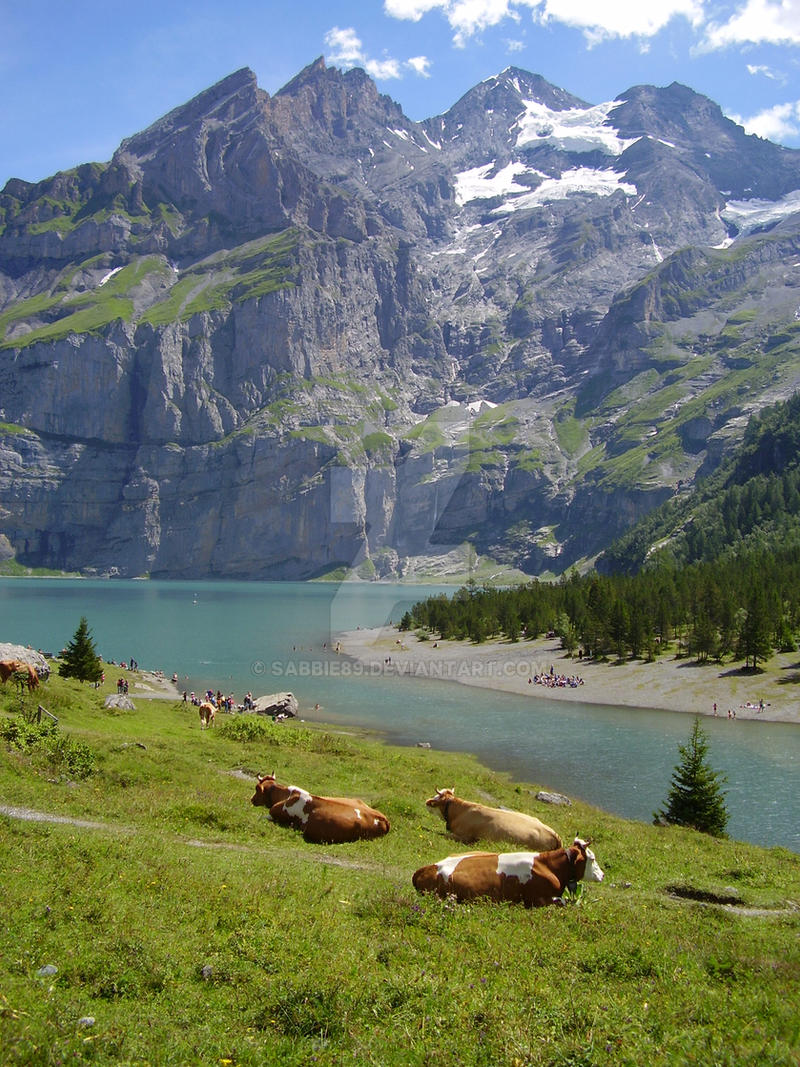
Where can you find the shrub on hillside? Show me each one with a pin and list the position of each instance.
(246, 729)
(48, 748)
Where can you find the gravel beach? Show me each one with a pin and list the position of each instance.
(669, 683)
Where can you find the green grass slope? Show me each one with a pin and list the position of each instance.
(186, 928)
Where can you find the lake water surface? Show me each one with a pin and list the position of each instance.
(268, 637)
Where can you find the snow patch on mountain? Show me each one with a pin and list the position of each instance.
(750, 215)
(574, 130)
(584, 181)
(108, 276)
(480, 184)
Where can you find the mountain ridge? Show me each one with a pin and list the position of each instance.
(326, 335)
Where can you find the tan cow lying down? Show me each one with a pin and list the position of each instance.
(468, 822)
(208, 714)
(534, 879)
(11, 667)
(322, 820)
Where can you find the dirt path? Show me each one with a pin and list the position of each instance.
(29, 815)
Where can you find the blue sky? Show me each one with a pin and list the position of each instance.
(77, 78)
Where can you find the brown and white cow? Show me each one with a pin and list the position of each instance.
(208, 714)
(322, 820)
(468, 821)
(26, 674)
(534, 879)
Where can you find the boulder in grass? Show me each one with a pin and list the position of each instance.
(119, 701)
(26, 655)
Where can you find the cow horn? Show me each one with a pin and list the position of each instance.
(260, 778)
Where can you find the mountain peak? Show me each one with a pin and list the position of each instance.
(308, 74)
(531, 86)
(238, 91)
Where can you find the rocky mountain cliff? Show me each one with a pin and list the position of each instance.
(276, 335)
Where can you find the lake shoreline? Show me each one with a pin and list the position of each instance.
(667, 684)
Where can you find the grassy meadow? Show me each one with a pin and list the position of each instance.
(172, 923)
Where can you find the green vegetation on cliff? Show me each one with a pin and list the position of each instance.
(752, 502)
(251, 271)
(716, 571)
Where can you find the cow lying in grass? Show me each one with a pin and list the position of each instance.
(534, 879)
(322, 820)
(468, 821)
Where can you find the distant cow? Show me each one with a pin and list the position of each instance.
(468, 822)
(208, 714)
(322, 820)
(534, 879)
(23, 671)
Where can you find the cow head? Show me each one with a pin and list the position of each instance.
(263, 794)
(442, 798)
(586, 866)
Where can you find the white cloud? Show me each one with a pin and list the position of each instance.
(758, 22)
(413, 10)
(468, 17)
(344, 46)
(779, 123)
(618, 18)
(759, 68)
(612, 18)
(382, 69)
(420, 65)
(346, 49)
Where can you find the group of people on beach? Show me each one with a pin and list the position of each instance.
(551, 680)
(221, 703)
(748, 706)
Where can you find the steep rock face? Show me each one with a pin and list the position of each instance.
(280, 334)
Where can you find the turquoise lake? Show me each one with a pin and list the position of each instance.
(268, 637)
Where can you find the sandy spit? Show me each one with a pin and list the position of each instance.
(668, 684)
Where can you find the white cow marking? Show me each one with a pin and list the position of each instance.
(517, 865)
(295, 805)
(593, 871)
(447, 866)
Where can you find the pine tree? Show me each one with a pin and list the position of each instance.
(754, 635)
(695, 798)
(80, 659)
